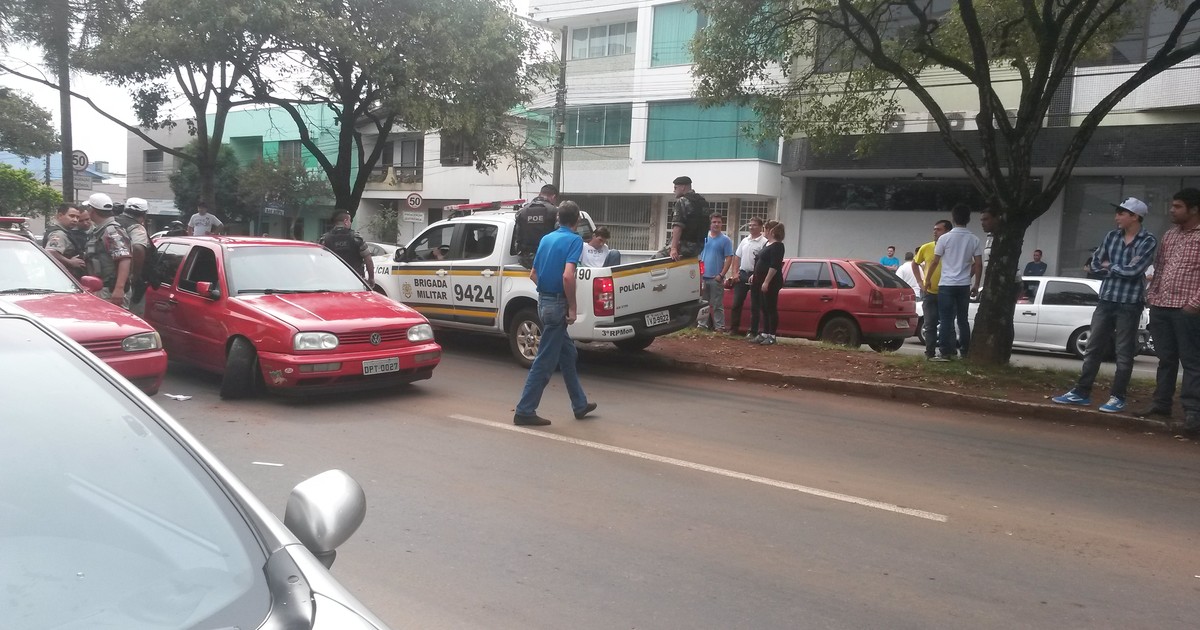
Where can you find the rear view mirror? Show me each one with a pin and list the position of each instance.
(324, 511)
(399, 255)
(206, 289)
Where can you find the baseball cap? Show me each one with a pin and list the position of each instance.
(136, 206)
(1134, 205)
(682, 181)
(100, 202)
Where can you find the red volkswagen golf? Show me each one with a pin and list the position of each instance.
(282, 315)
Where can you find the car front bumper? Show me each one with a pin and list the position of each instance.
(343, 371)
(144, 369)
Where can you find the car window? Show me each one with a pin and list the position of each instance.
(1028, 292)
(843, 277)
(375, 250)
(1066, 293)
(24, 267)
(288, 269)
(881, 276)
(479, 240)
(201, 266)
(433, 244)
(106, 519)
(167, 260)
(808, 275)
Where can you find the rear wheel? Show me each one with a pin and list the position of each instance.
(242, 377)
(524, 335)
(921, 329)
(890, 345)
(841, 331)
(634, 344)
(1077, 345)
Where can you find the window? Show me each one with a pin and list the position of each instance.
(893, 194)
(152, 165)
(674, 27)
(434, 244)
(1060, 293)
(844, 280)
(808, 275)
(881, 276)
(603, 41)
(201, 266)
(682, 130)
(750, 210)
(896, 26)
(456, 149)
(290, 153)
(167, 260)
(412, 158)
(627, 218)
(480, 241)
(1028, 292)
(598, 125)
(1145, 37)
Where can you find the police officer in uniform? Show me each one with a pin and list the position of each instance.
(349, 246)
(176, 228)
(108, 255)
(64, 242)
(133, 221)
(689, 221)
(535, 220)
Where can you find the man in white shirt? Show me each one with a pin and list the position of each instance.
(911, 274)
(596, 252)
(203, 223)
(959, 254)
(743, 261)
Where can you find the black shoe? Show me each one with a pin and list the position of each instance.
(1191, 434)
(1155, 412)
(579, 415)
(530, 421)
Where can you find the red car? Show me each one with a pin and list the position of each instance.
(281, 315)
(841, 301)
(31, 281)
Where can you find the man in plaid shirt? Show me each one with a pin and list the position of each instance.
(1121, 261)
(1174, 298)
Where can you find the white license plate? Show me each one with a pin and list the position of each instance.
(901, 323)
(381, 366)
(658, 318)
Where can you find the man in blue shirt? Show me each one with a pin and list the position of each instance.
(1122, 261)
(716, 257)
(1035, 267)
(890, 261)
(554, 274)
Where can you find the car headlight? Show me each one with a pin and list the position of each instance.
(315, 341)
(420, 332)
(141, 342)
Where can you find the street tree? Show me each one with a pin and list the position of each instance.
(22, 195)
(382, 65)
(290, 187)
(778, 55)
(25, 127)
(226, 200)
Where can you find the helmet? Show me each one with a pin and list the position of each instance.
(101, 202)
(176, 227)
(136, 206)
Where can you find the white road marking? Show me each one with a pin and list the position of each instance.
(265, 464)
(733, 474)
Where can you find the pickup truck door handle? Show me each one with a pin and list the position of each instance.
(487, 273)
(658, 273)
(442, 272)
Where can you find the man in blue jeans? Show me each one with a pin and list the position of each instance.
(554, 274)
(1122, 261)
(958, 255)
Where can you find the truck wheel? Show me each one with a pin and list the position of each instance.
(242, 377)
(890, 345)
(524, 335)
(634, 344)
(841, 331)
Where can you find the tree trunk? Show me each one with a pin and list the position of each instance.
(992, 333)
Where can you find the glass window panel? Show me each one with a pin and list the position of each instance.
(1060, 293)
(591, 126)
(631, 37)
(685, 131)
(674, 26)
(579, 43)
(617, 124)
(598, 41)
(616, 39)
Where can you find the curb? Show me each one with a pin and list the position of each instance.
(905, 393)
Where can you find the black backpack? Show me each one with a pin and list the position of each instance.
(534, 220)
(347, 245)
(695, 218)
(150, 262)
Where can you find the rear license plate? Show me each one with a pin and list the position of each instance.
(658, 318)
(901, 323)
(381, 366)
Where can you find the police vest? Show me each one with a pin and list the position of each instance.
(77, 238)
(693, 213)
(533, 221)
(343, 242)
(100, 263)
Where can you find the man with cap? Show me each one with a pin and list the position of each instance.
(1121, 261)
(133, 221)
(689, 221)
(108, 255)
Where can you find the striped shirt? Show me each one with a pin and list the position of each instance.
(1176, 282)
(1124, 281)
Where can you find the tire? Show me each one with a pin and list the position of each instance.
(634, 344)
(890, 345)
(841, 331)
(524, 335)
(1077, 344)
(242, 377)
(921, 330)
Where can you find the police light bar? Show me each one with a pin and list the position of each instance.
(467, 208)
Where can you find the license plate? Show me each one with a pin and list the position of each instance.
(381, 366)
(658, 318)
(901, 323)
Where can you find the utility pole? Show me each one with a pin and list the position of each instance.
(560, 111)
(62, 55)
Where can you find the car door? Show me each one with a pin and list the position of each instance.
(808, 291)
(201, 319)
(1025, 317)
(476, 275)
(1066, 306)
(425, 273)
(159, 311)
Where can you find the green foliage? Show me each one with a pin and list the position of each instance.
(21, 194)
(227, 195)
(291, 186)
(25, 128)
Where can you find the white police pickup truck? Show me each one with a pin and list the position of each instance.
(463, 273)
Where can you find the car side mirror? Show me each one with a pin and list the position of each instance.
(324, 511)
(206, 289)
(399, 255)
(91, 283)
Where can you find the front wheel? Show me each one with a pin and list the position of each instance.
(890, 345)
(242, 377)
(524, 335)
(634, 344)
(841, 331)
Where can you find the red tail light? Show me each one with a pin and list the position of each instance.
(602, 293)
(876, 298)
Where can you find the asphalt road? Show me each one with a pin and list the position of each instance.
(698, 502)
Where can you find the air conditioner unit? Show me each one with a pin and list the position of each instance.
(895, 124)
(956, 120)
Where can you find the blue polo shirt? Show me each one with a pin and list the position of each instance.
(556, 249)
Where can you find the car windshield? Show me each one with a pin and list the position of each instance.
(288, 269)
(882, 276)
(25, 268)
(106, 521)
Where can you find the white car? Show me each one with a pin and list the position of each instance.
(1055, 313)
(382, 257)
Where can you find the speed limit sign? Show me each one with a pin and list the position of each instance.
(79, 160)
(414, 200)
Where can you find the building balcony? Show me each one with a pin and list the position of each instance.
(394, 177)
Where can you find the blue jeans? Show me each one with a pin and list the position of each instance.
(555, 350)
(929, 310)
(714, 292)
(1110, 320)
(1177, 340)
(953, 305)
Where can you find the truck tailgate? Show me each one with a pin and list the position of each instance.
(653, 285)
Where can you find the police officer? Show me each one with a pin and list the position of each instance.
(689, 222)
(535, 220)
(176, 228)
(133, 221)
(64, 242)
(349, 246)
(108, 255)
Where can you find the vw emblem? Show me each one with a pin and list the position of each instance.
(376, 339)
